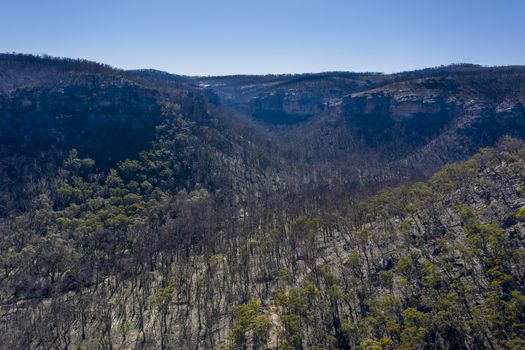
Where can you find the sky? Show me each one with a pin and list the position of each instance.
(219, 37)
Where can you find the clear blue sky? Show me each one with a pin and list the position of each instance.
(268, 36)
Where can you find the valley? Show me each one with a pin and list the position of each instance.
(141, 209)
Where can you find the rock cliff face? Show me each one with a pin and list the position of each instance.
(412, 127)
(384, 120)
(95, 117)
(286, 107)
(285, 99)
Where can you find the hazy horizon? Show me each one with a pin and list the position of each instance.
(210, 38)
(45, 55)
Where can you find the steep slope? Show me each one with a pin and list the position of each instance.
(356, 130)
(51, 106)
(434, 265)
(286, 99)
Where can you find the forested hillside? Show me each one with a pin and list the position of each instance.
(144, 210)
